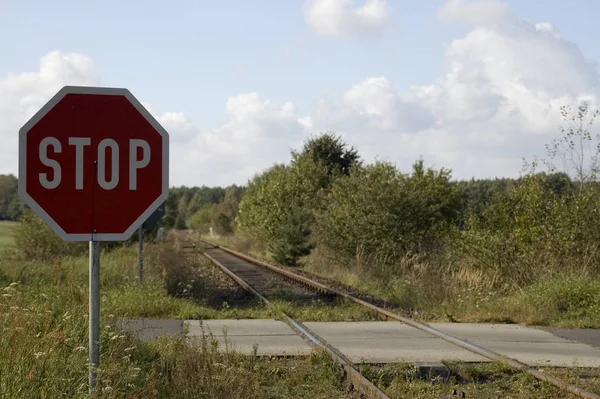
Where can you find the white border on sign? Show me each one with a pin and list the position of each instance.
(23, 163)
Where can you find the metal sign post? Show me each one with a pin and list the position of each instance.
(141, 252)
(94, 325)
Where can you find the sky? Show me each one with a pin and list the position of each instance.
(471, 85)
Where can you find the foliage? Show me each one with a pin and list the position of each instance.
(533, 232)
(220, 216)
(222, 224)
(184, 202)
(476, 195)
(6, 234)
(291, 241)
(180, 223)
(566, 293)
(231, 203)
(329, 151)
(201, 221)
(34, 240)
(381, 213)
(11, 205)
(577, 149)
(280, 205)
(264, 206)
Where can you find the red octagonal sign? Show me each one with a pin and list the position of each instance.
(93, 164)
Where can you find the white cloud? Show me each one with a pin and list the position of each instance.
(549, 28)
(477, 12)
(344, 18)
(499, 100)
(256, 135)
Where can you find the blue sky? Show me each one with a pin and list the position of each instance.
(192, 56)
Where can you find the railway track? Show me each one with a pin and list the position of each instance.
(263, 280)
(269, 283)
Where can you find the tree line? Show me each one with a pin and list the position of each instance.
(203, 207)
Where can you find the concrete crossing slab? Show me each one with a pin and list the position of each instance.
(273, 337)
(496, 332)
(149, 329)
(531, 346)
(386, 341)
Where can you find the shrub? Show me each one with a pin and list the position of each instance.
(222, 224)
(283, 196)
(381, 213)
(532, 233)
(34, 240)
(201, 221)
(565, 293)
(291, 241)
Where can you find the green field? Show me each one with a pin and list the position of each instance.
(6, 233)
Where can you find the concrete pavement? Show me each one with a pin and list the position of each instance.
(390, 342)
(273, 337)
(148, 329)
(586, 336)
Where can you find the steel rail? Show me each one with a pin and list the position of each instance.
(540, 375)
(357, 379)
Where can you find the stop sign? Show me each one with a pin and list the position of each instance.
(93, 164)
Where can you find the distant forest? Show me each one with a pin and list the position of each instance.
(204, 207)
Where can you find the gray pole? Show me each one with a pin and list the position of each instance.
(141, 252)
(94, 311)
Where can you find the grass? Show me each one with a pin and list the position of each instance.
(563, 300)
(6, 234)
(585, 378)
(484, 380)
(44, 330)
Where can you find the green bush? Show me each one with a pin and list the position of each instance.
(34, 240)
(380, 213)
(262, 207)
(292, 239)
(201, 221)
(279, 205)
(222, 224)
(566, 293)
(274, 203)
(532, 233)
